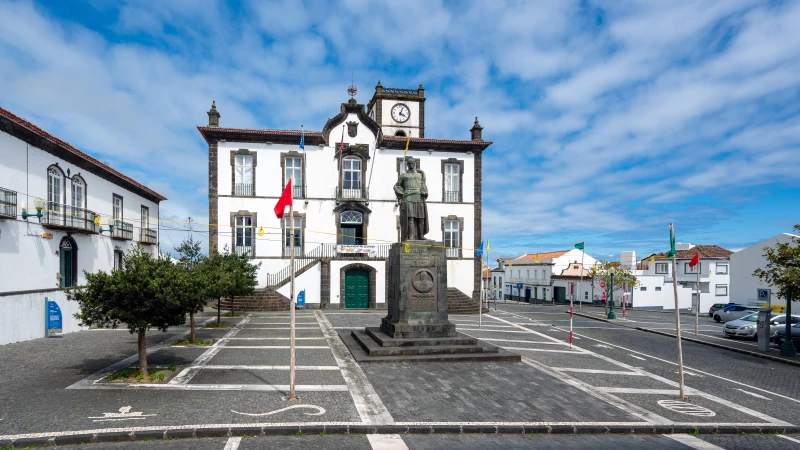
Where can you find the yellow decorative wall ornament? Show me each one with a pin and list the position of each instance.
(97, 221)
(260, 231)
(406, 248)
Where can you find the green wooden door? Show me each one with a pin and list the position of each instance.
(561, 294)
(356, 289)
(66, 267)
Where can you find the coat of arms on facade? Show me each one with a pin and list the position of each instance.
(351, 128)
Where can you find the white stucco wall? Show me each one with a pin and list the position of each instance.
(744, 286)
(22, 317)
(308, 280)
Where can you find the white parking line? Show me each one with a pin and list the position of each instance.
(544, 350)
(637, 357)
(524, 341)
(241, 347)
(386, 442)
(235, 367)
(233, 443)
(754, 394)
(693, 442)
(597, 371)
(788, 438)
(186, 375)
(282, 328)
(268, 338)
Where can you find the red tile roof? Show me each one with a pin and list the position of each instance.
(706, 252)
(70, 149)
(546, 255)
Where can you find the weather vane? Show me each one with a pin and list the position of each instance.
(352, 89)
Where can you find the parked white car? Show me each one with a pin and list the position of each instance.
(733, 313)
(746, 327)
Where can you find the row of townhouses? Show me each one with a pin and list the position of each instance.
(725, 277)
(62, 212)
(346, 214)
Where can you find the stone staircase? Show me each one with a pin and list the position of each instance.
(460, 303)
(267, 298)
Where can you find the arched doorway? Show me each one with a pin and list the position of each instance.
(357, 286)
(68, 262)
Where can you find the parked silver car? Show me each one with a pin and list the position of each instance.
(733, 313)
(746, 327)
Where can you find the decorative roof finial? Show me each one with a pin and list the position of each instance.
(352, 90)
(213, 115)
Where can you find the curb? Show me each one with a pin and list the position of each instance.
(699, 341)
(211, 431)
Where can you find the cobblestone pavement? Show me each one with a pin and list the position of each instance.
(612, 375)
(461, 442)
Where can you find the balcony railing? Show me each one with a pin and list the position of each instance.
(57, 215)
(122, 230)
(330, 251)
(148, 236)
(452, 196)
(352, 194)
(297, 192)
(244, 250)
(452, 252)
(298, 251)
(8, 203)
(243, 189)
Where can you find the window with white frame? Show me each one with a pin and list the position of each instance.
(643, 288)
(78, 192)
(243, 237)
(662, 268)
(721, 290)
(55, 180)
(243, 175)
(452, 240)
(695, 269)
(452, 182)
(722, 269)
(298, 236)
(118, 258)
(294, 170)
(145, 219)
(117, 206)
(351, 177)
(528, 274)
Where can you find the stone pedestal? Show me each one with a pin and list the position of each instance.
(417, 300)
(416, 327)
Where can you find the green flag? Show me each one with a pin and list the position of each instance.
(579, 245)
(671, 243)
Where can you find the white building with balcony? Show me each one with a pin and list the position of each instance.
(528, 280)
(52, 197)
(345, 211)
(744, 285)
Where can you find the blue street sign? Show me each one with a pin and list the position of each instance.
(763, 294)
(519, 286)
(301, 298)
(53, 318)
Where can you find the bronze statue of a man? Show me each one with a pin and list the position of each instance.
(411, 192)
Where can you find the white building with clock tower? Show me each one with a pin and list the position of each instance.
(346, 214)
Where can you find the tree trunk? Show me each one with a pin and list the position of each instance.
(191, 324)
(142, 353)
(218, 310)
(232, 300)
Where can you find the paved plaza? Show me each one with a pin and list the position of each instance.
(615, 380)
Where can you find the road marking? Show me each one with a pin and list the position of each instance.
(491, 331)
(597, 371)
(386, 442)
(753, 394)
(268, 338)
(223, 387)
(602, 345)
(680, 406)
(524, 341)
(788, 438)
(282, 328)
(693, 442)
(233, 443)
(186, 375)
(282, 323)
(624, 390)
(637, 357)
(544, 350)
(319, 411)
(691, 373)
(123, 414)
(244, 347)
(235, 367)
(368, 404)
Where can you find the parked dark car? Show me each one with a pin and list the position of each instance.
(717, 306)
(780, 335)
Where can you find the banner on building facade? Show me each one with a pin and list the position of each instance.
(53, 318)
(357, 249)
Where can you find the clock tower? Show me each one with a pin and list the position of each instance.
(399, 112)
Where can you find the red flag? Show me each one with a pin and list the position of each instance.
(695, 260)
(285, 200)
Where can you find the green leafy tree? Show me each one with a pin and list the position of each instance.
(191, 286)
(622, 277)
(783, 267)
(139, 296)
(230, 275)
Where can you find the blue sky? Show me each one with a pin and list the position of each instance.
(610, 119)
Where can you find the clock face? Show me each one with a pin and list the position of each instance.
(400, 113)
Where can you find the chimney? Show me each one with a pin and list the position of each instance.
(379, 88)
(213, 116)
(476, 131)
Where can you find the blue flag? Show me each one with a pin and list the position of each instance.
(302, 139)
(479, 252)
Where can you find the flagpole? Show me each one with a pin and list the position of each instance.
(580, 285)
(697, 307)
(677, 309)
(292, 396)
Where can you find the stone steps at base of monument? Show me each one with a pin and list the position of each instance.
(385, 341)
(365, 348)
(460, 303)
(261, 300)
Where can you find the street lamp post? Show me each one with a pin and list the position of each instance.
(611, 314)
(787, 348)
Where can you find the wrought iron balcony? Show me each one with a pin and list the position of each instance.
(122, 230)
(452, 196)
(8, 203)
(66, 217)
(244, 250)
(352, 194)
(243, 189)
(452, 252)
(148, 236)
